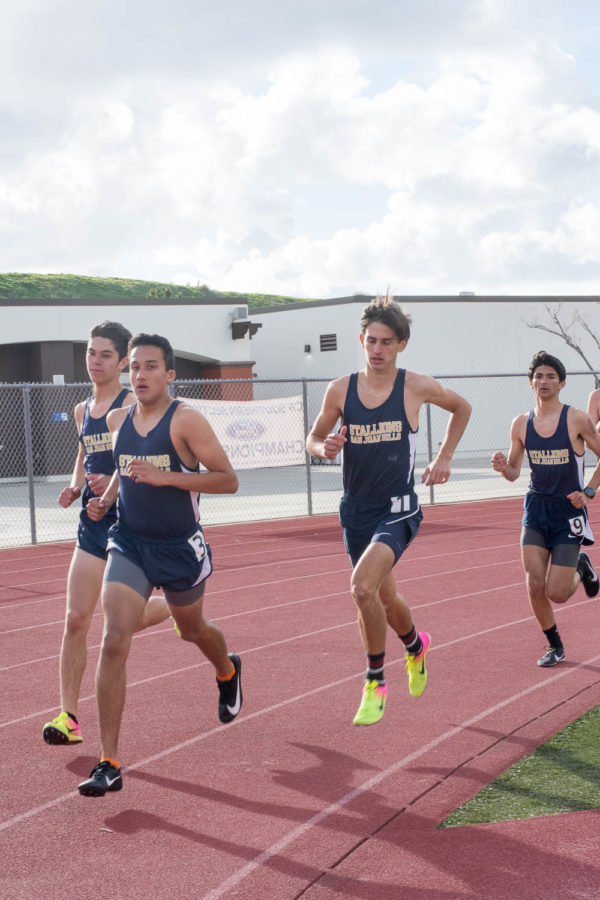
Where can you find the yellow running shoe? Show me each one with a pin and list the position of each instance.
(175, 626)
(372, 705)
(62, 730)
(415, 666)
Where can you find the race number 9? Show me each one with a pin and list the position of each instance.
(197, 544)
(577, 526)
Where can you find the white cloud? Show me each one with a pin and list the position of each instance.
(191, 142)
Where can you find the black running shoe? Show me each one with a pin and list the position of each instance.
(103, 777)
(551, 657)
(230, 692)
(589, 579)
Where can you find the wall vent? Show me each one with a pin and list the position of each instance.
(328, 342)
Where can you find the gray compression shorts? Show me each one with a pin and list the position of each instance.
(561, 554)
(121, 569)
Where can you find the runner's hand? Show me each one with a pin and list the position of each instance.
(144, 472)
(97, 483)
(437, 473)
(68, 495)
(97, 508)
(334, 442)
(499, 462)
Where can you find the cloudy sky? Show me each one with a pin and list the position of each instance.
(315, 148)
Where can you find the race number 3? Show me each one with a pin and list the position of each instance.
(577, 525)
(197, 544)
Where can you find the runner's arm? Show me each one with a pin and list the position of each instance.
(593, 408)
(588, 432)
(510, 467)
(71, 493)
(194, 439)
(431, 391)
(322, 441)
(591, 438)
(97, 507)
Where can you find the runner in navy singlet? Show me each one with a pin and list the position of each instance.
(555, 521)
(96, 441)
(379, 510)
(106, 358)
(165, 454)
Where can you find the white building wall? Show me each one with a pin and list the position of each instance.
(448, 338)
(198, 330)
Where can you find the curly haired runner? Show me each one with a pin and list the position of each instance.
(379, 511)
(555, 521)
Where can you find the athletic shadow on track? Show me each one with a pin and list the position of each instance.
(334, 778)
(332, 775)
(545, 802)
(82, 765)
(134, 821)
(533, 859)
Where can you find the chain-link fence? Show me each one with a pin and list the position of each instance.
(262, 424)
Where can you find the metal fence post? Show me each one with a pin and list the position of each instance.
(308, 458)
(430, 451)
(29, 458)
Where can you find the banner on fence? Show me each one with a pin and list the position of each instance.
(257, 433)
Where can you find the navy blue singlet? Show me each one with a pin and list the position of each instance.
(97, 443)
(153, 513)
(378, 458)
(556, 470)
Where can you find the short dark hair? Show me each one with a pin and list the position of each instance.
(388, 312)
(154, 340)
(115, 332)
(542, 358)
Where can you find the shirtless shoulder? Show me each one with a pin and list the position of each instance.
(78, 413)
(519, 426)
(116, 417)
(336, 392)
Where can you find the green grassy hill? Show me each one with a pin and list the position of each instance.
(29, 286)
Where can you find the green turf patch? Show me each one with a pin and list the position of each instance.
(561, 776)
(31, 286)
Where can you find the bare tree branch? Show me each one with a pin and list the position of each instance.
(562, 331)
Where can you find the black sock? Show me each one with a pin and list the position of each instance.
(553, 637)
(375, 667)
(412, 642)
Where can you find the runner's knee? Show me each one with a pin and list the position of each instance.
(536, 585)
(556, 596)
(196, 632)
(362, 593)
(77, 623)
(115, 643)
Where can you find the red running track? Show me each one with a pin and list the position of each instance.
(291, 800)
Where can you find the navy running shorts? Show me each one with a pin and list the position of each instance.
(556, 519)
(92, 537)
(175, 566)
(397, 532)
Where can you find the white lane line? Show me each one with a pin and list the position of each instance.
(251, 587)
(287, 562)
(318, 817)
(265, 856)
(256, 610)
